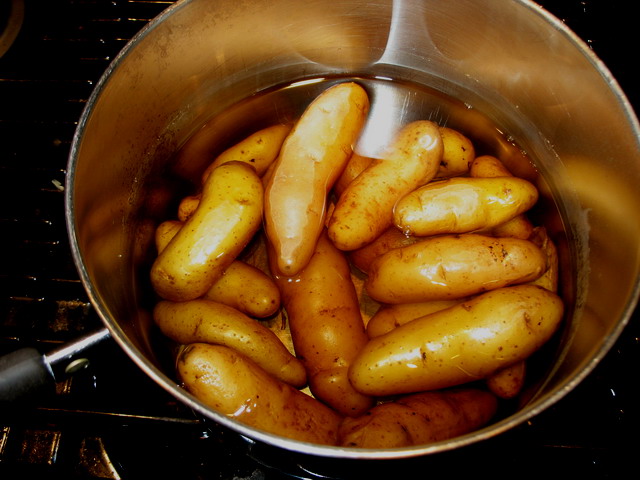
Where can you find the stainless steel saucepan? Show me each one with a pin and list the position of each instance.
(510, 60)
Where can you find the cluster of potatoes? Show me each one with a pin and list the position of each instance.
(291, 224)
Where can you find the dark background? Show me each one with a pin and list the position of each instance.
(111, 421)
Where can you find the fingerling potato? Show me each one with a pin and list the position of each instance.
(452, 266)
(228, 215)
(364, 210)
(389, 317)
(326, 326)
(205, 321)
(464, 343)
(458, 153)
(312, 157)
(234, 385)
(246, 288)
(487, 166)
(419, 419)
(389, 239)
(355, 166)
(463, 204)
(518, 227)
(187, 206)
(165, 232)
(259, 150)
(549, 279)
(507, 382)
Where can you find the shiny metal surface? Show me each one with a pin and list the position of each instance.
(11, 18)
(510, 60)
(62, 360)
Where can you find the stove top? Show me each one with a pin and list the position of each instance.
(110, 421)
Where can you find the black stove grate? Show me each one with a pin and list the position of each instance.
(111, 421)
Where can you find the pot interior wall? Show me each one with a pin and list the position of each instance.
(505, 59)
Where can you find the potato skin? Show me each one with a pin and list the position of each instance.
(508, 382)
(355, 166)
(232, 384)
(452, 266)
(488, 166)
(188, 205)
(165, 233)
(205, 321)
(389, 239)
(419, 419)
(463, 204)
(326, 326)
(549, 279)
(312, 157)
(228, 215)
(464, 343)
(246, 288)
(518, 227)
(457, 155)
(389, 317)
(259, 150)
(364, 210)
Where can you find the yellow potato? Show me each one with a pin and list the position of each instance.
(229, 214)
(165, 232)
(259, 150)
(355, 166)
(232, 384)
(461, 344)
(389, 239)
(310, 161)
(187, 206)
(487, 166)
(247, 289)
(419, 419)
(241, 285)
(549, 279)
(326, 326)
(508, 382)
(389, 317)
(457, 155)
(518, 227)
(205, 321)
(364, 210)
(463, 204)
(452, 266)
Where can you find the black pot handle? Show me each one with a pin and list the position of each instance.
(27, 372)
